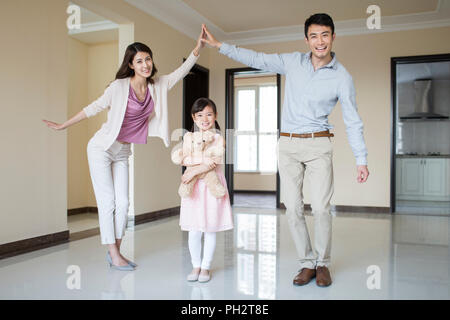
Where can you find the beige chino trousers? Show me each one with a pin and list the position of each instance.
(313, 157)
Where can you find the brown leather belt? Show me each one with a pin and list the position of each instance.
(308, 135)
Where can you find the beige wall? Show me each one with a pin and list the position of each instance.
(255, 181)
(77, 167)
(92, 68)
(252, 81)
(367, 58)
(102, 67)
(36, 199)
(33, 87)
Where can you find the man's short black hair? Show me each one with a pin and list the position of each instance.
(322, 19)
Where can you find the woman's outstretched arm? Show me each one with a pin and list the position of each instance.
(91, 110)
(75, 119)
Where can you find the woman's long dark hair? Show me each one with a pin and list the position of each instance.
(199, 105)
(125, 71)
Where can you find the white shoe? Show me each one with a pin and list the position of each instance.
(204, 278)
(193, 276)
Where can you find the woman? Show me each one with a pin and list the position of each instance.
(137, 105)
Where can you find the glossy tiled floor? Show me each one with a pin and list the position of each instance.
(256, 260)
(255, 200)
(81, 222)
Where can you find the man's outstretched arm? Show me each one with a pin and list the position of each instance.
(267, 62)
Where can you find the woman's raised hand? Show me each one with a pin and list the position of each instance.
(54, 125)
(200, 43)
(209, 38)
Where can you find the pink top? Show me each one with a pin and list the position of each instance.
(135, 123)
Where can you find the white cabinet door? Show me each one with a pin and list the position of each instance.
(435, 177)
(412, 177)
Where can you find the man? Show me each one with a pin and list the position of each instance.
(315, 81)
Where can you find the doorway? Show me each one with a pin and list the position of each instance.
(420, 152)
(252, 122)
(195, 85)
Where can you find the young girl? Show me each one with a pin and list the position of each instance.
(202, 213)
(137, 108)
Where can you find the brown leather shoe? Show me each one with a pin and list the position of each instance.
(323, 278)
(304, 277)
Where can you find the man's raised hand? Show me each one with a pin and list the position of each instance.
(210, 40)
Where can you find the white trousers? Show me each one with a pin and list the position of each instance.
(109, 174)
(195, 248)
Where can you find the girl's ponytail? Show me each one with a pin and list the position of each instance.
(217, 126)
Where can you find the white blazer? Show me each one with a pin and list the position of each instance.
(115, 98)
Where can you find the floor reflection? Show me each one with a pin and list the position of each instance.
(420, 257)
(119, 286)
(257, 241)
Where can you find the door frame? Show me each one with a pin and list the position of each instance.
(229, 125)
(394, 62)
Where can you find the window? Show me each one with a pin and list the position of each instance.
(255, 128)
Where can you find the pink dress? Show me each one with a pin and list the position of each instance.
(204, 212)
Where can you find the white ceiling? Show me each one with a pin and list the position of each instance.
(260, 21)
(95, 37)
(245, 15)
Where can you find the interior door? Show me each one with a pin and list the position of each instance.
(195, 85)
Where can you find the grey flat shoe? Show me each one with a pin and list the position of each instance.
(131, 263)
(108, 258)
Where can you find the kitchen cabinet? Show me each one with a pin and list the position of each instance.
(423, 179)
(435, 181)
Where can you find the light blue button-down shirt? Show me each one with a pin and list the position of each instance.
(310, 95)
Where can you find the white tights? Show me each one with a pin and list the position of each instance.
(195, 248)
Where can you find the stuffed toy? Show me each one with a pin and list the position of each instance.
(197, 145)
